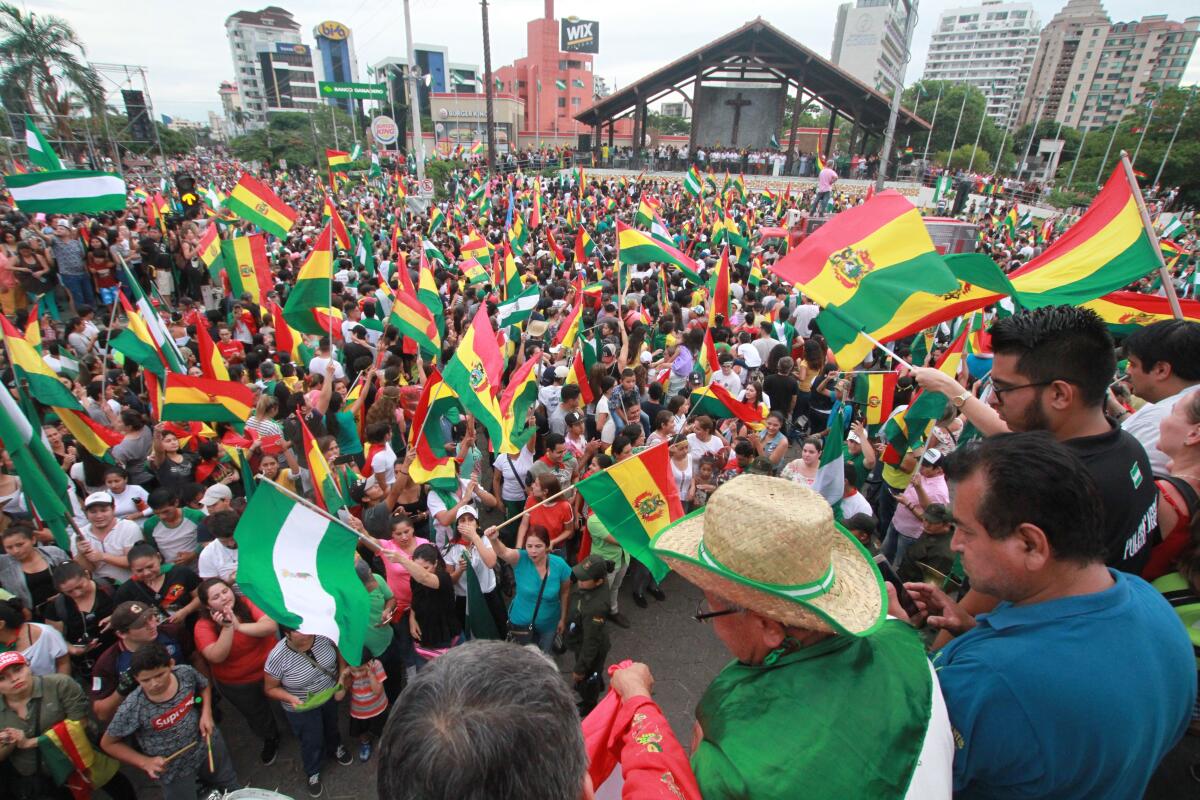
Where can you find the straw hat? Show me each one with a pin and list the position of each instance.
(771, 546)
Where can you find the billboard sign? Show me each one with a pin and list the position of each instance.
(579, 36)
(385, 130)
(285, 49)
(357, 91)
(332, 30)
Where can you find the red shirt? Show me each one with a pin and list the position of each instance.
(247, 654)
(552, 516)
(231, 350)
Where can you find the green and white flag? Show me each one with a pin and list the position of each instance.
(364, 252)
(831, 472)
(42, 479)
(162, 336)
(355, 152)
(67, 191)
(1174, 230)
(40, 152)
(297, 564)
(560, 85)
(941, 187)
(516, 310)
(376, 170)
(432, 252)
(577, 83)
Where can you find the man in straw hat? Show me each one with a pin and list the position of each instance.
(1082, 678)
(826, 697)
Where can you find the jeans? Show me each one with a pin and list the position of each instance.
(545, 641)
(895, 545)
(223, 776)
(641, 577)
(317, 731)
(820, 202)
(251, 703)
(80, 287)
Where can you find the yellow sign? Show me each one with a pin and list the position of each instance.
(332, 30)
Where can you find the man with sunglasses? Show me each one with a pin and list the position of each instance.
(1051, 372)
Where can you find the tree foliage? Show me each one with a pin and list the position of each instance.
(922, 99)
(300, 137)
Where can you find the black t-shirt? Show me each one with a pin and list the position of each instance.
(1119, 466)
(435, 611)
(175, 592)
(173, 475)
(80, 627)
(781, 389)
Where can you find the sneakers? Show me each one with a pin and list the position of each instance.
(619, 619)
(639, 600)
(314, 785)
(269, 750)
(343, 756)
(364, 752)
(656, 593)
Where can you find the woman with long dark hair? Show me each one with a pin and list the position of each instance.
(433, 623)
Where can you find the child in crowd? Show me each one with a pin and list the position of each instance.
(368, 703)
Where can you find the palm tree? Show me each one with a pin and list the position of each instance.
(44, 67)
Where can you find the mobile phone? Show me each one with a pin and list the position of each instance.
(891, 576)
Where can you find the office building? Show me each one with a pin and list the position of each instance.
(868, 42)
(990, 46)
(336, 62)
(438, 75)
(1089, 70)
(273, 69)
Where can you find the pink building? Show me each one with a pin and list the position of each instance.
(554, 86)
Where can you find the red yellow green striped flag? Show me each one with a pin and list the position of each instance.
(411, 317)
(44, 385)
(1125, 312)
(205, 400)
(638, 247)
(1106, 250)
(718, 301)
(584, 246)
(325, 488)
(210, 251)
(931, 405)
(875, 392)
(433, 465)
(474, 373)
(212, 364)
(341, 235)
(715, 401)
(577, 376)
(635, 499)
(474, 272)
(308, 308)
(477, 247)
(247, 266)
(287, 338)
(338, 160)
(137, 343)
(253, 201)
(97, 439)
(708, 355)
(515, 401)
(68, 757)
(568, 331)
(873, 269)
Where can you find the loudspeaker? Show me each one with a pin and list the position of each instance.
(139, 118)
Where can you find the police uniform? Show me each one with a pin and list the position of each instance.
(587, 632)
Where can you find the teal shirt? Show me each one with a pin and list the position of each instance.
(347, 434)
(378, 635)
(520, 613)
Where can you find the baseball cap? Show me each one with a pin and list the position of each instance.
(560, 372)
(215, 494)
(130, 614)
(645, 357)
(465, 511)
(99, 498)
(11, 659)
(591, 568)
(853, 437)
(572, 418)
(931, 458)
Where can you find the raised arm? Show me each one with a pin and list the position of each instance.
(507, 554)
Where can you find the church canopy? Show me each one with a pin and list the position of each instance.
(758, 53)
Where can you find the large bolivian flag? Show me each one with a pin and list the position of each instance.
(247, 266)
(204, 400)
(474, 373)
(433, 465)
(1125, 312)
(307, 308)
(253, 201)
(871, 268)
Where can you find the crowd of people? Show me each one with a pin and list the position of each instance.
(1020, 534)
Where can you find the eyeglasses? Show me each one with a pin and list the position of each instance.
(703, 615)
(1000, 391)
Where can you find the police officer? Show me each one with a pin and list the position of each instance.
(587, 634)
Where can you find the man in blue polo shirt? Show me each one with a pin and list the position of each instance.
(1082, 678)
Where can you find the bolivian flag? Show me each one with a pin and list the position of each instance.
(210, 251)
(584, 246)
(329, 212)
(411, 317)
(568, 331)
(212, 364)
(325, 488)
(137, 343)
(338, 160)
(931, 405)
(1125, 312)
(70, 760)
(253, 201)
(204, 400)
(715, 401)
(307, 308)
(637, 247)
(430, 297)
(873, 268)
(474, 272)
(577, 376)
(718, 301)
(433, 465)
(44, 385)
(875, 392)
(474, 373)
(515, 401)
(287, 338)
(247, 267)
(477, 247)
(436, 220)
(97, 439)
(636, 499)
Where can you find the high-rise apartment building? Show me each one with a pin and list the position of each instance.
(273, 69)
(1089, 70)
(868, 42)
(335, 48)
(990, 46)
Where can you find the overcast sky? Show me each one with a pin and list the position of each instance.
(182, 42)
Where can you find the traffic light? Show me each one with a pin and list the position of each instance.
(186, 186)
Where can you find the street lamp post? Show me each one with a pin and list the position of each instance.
(414, 103)
(910, 22)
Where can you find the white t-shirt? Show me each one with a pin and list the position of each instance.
(749, 353)
(172, 542)
(1143, 426)
(609, 431)
(383, 464)
(434, 505)
(510, 489)
(856, 504)
(803, 316)
(487, 578)
(42, 654)
(124, 535)
(127, 501)
(698, 449)
(317, 367)
(217, 561)
(732, 382)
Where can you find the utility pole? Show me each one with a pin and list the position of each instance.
(933, 121)
(910, 22)
(957, 125)
(414, 101)
(1032, 133)
(1187, 104)
(1146, 127)
(491, 87)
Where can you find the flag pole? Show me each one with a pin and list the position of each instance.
(1164, 273)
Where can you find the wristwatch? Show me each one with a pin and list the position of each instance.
(960, 400)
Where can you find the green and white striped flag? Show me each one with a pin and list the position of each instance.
(376, 170)
(577, 83)
(433, 253)
(40, 152)
(941, 187)
(560, 85)
(355, 152)
(517, 309)
(67, 191)
(297, 564)
(830, 482)
(1174, 230)
(162, 336)
(42, 479)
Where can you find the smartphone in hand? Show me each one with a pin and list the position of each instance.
(891, 576)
